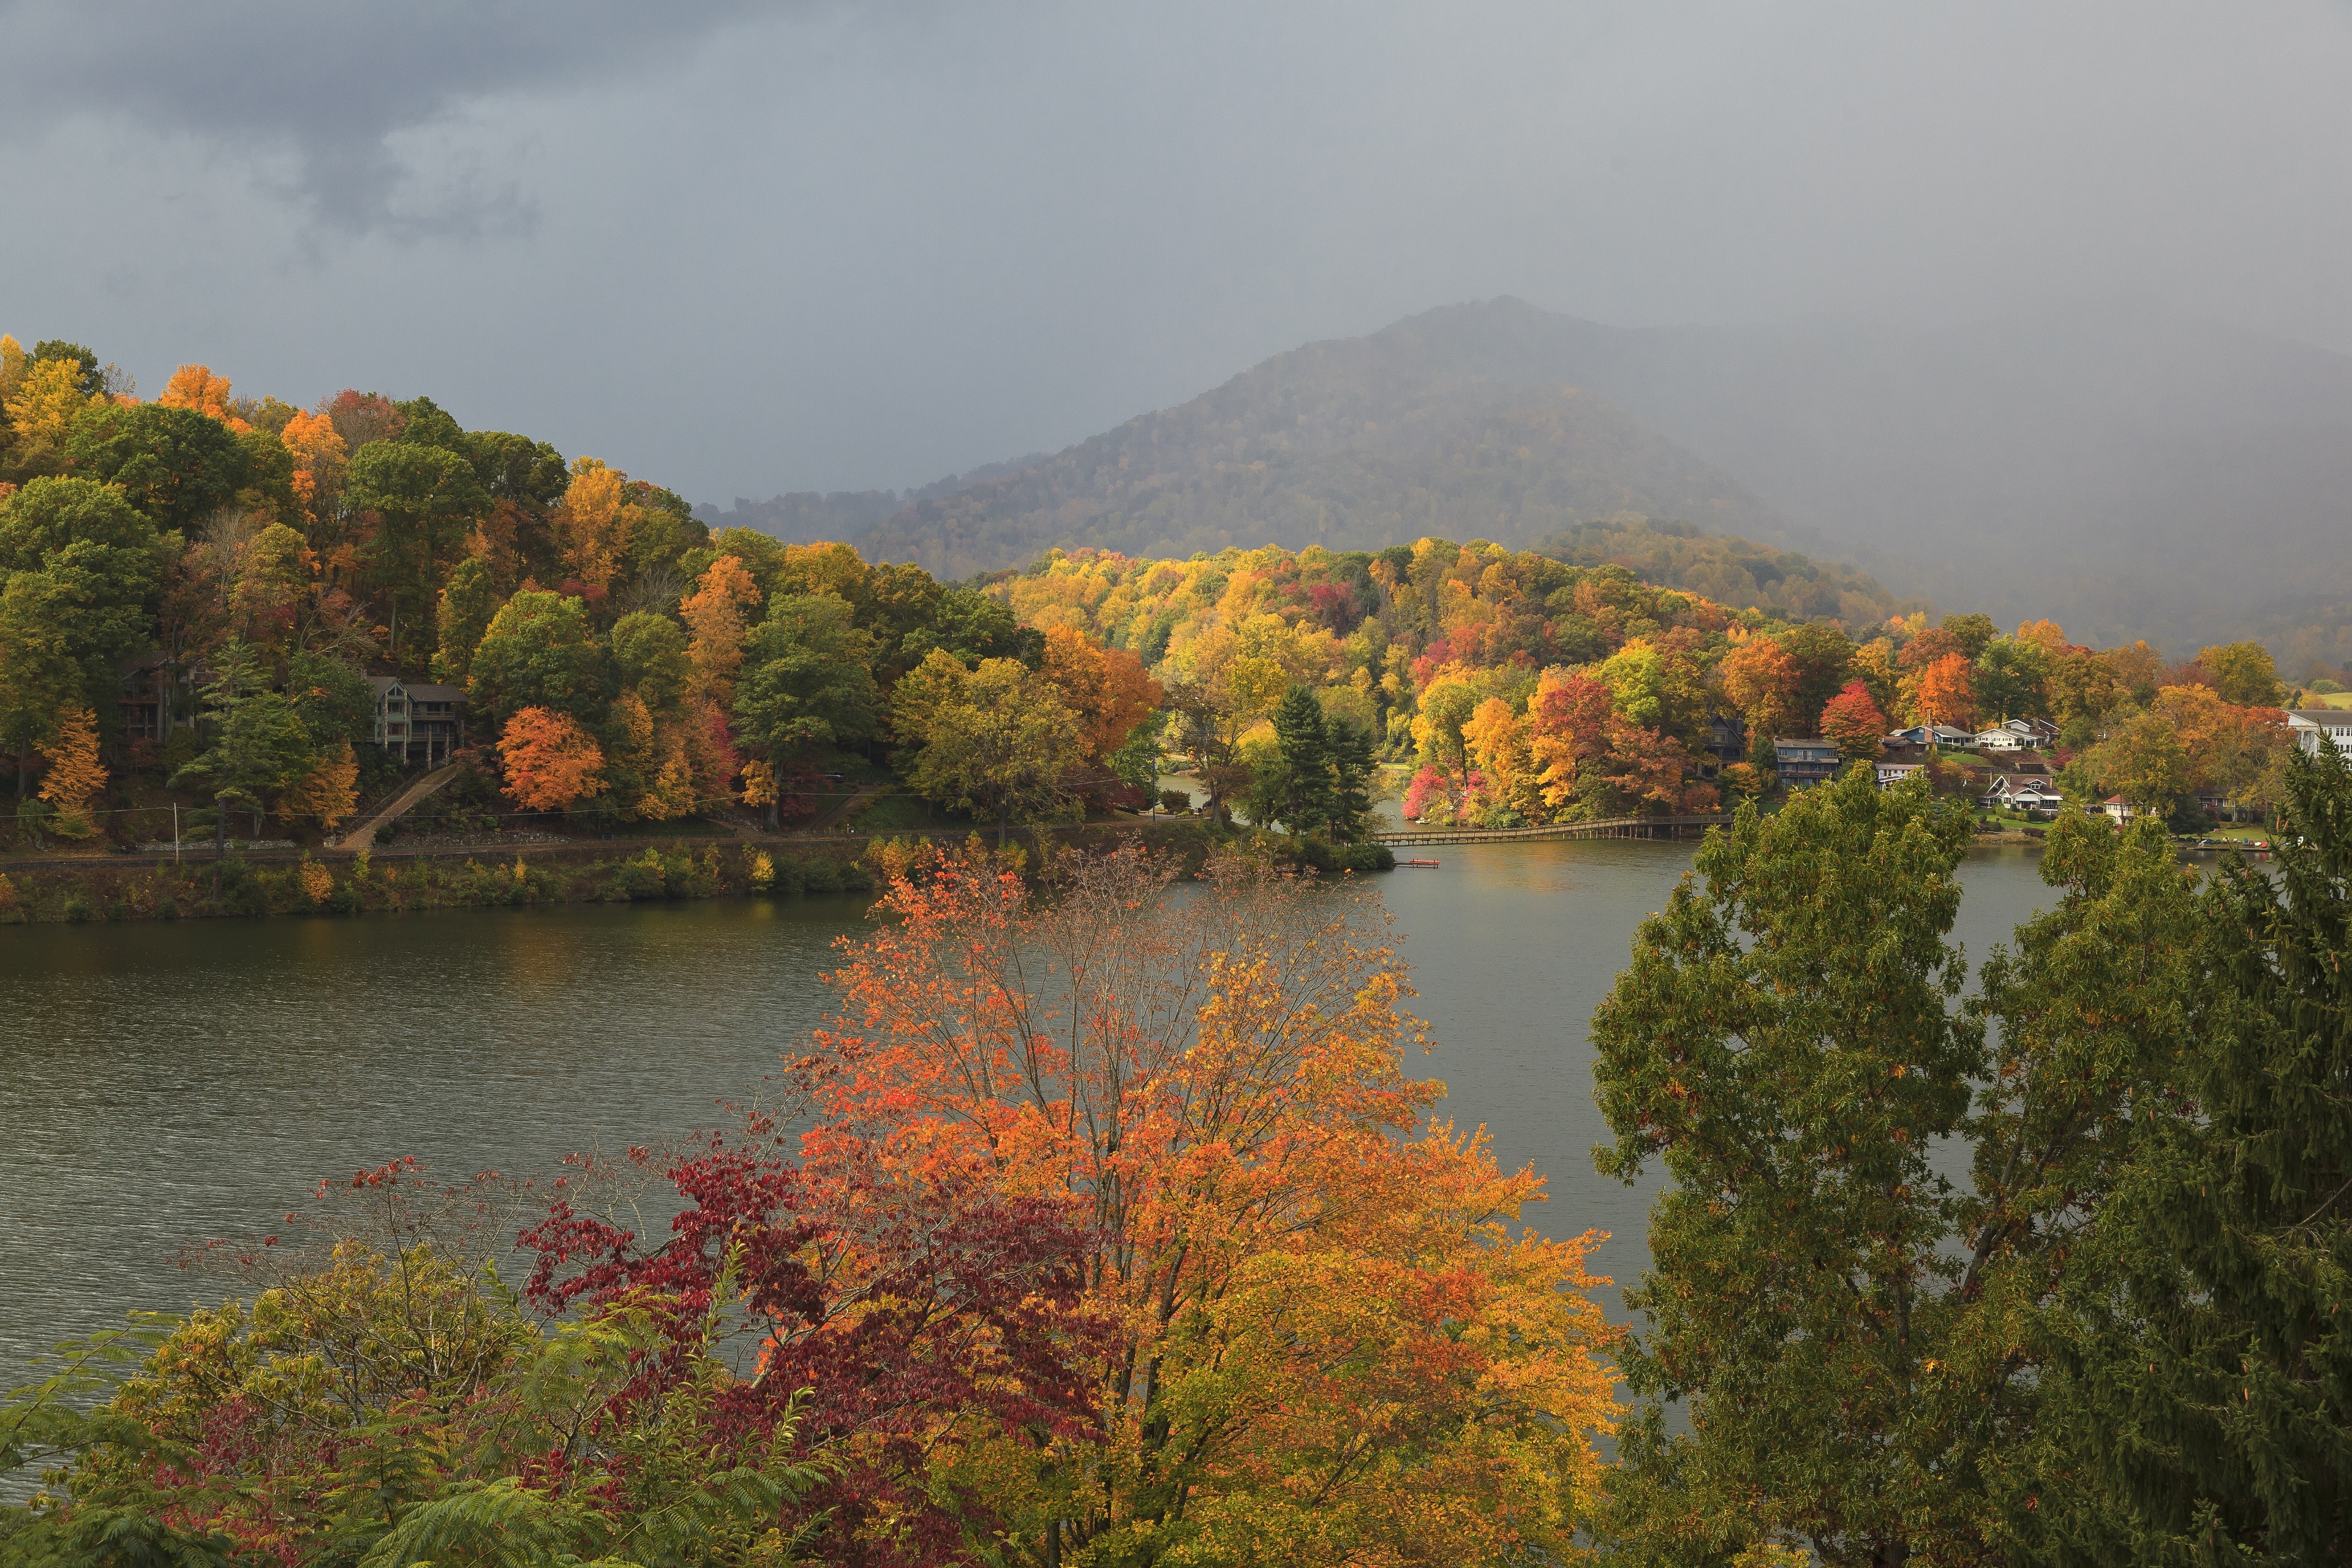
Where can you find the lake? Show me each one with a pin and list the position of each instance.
(163, 1083)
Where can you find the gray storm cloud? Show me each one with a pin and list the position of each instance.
(745, 249)
(328, 87)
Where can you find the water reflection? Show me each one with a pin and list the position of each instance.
(162, 1083)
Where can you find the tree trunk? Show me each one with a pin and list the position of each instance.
(220, 841)
(1003, 820)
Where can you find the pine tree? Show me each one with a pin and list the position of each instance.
(258, 745)
(1300, 790)
(1351, 776)
(2215, 1377)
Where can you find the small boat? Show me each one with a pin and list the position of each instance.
(1403, 864)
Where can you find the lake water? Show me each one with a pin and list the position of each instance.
(164, 1083)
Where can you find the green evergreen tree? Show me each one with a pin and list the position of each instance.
(259, 744)
(2213, 1385)
(1352, 767)
(1295, 786)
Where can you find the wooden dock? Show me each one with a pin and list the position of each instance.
(1608, 828)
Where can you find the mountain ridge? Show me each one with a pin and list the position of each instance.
(2129, 475)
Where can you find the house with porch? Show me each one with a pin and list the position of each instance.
(2021, 792)
(154, 699)
(417, 722)
(1802, 763)
(2308, 724)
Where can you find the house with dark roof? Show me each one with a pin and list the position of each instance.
(1802, 763)
(417, 722)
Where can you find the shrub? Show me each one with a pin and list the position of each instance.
(1175, 800)
(821, 875)
(77, 907)
(640, 879)
(1317, 855)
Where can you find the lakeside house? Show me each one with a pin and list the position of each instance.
(1934, 735)
(1726, 739)
(417, 722)
(1802, 763)
(1894, 772)
(149, 689)
(2115, 807)
(2021, 792)
(2308, 724)
(2000, 740)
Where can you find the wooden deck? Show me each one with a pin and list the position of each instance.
(1609, 828)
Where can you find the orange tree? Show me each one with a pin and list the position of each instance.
(1855, 722)
(1328, 1345)
(550, 760)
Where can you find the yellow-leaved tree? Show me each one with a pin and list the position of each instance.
(328, 792)
(74, 774)
(1332, 1342)
(716, 615)
(595, 521)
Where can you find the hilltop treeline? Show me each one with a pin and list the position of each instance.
(225, 574)
(199, 588)
(1525, 689)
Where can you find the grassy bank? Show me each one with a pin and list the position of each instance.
(164, 890)
(327, 885)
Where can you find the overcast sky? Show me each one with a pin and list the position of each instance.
(742, 249)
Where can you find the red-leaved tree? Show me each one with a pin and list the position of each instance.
(1855, 722)
(900, 1315)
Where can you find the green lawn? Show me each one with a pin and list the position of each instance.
(892, 812)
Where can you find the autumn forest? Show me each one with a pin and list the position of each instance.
(1105, 1220)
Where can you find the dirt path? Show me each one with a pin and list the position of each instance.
(361, 836)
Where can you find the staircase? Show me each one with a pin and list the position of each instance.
(361, 836)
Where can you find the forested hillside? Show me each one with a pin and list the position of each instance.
(2137, 477)
(1351, 446)
(2133, 474)
(1730, 570)
(805, 517)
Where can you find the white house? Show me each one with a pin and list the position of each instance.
(2034, 731)
(2023, 792)
(2307, 724)
(2117, 807)
(1895, 773)
(2001, 740)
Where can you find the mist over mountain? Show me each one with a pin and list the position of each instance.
(1353, 443)
(805, 517)
(2129, 475)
